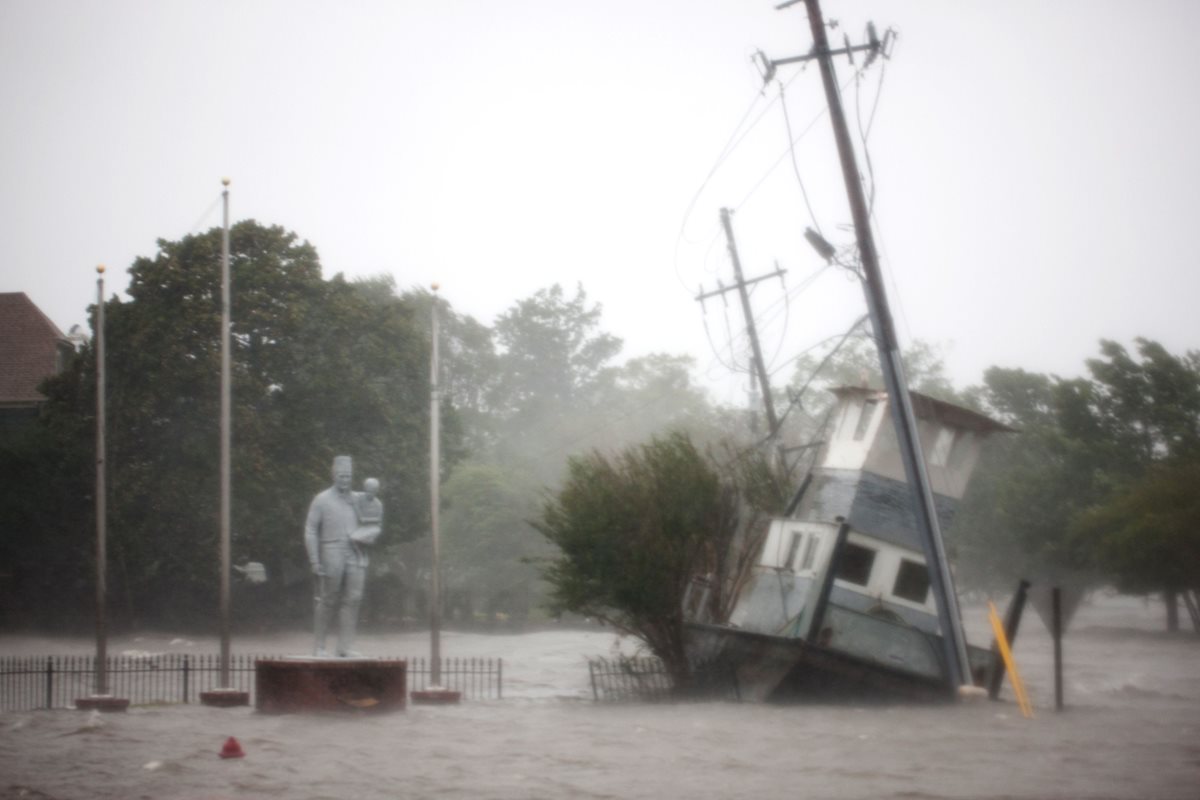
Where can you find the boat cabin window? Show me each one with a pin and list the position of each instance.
(855, 565)
(864, 418)
(810, 552)
(793, 548)
(912, 581)
(940, 456)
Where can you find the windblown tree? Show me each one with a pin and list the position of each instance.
(1141, 417)
(1059, 498)
(1147, 537)
(633, 530)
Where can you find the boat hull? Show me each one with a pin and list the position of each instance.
(771, 668)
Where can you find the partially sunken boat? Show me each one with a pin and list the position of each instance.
(839, 601)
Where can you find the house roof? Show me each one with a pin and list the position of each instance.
(29, 349)
(927, 407)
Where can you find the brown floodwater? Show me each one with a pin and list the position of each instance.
(1131, 729)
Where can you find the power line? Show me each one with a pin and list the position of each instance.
(796, 166)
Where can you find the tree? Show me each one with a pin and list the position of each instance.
(319, 368)
(1088, 454)
(489, 541)
(1148, 535)
(1141, 416)
(632, 531)
(47, 539)
(552, 361)
(1027, 489)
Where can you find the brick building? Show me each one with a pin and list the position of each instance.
(32, 348)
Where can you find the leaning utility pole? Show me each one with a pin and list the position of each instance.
(954, 644)
(760, 369)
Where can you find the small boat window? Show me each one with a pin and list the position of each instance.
(793, 548)
(810, 552)
(856, 563)
(864, 418)
(942, 446)
(912, 581)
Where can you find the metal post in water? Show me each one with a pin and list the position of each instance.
(1056, 630)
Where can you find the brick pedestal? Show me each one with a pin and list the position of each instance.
(286, 685)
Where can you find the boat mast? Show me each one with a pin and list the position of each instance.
(924, 507)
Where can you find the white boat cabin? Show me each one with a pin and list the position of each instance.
(879, 603)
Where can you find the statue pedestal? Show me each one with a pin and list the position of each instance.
(297, 684)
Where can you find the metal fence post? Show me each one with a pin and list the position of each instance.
(499, 678)
(49, 681)
(186, 670)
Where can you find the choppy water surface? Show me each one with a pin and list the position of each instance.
(1131, 730)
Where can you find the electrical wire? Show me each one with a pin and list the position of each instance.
(787, 121)
(207, 213)
(775, 164)
(731, 144)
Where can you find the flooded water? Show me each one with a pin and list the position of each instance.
(1131, 730)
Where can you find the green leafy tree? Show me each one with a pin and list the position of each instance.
(1026, 490)
(1141, 416)
(488, 540)
(47, 540)
(1148, 536)
(553, 360)
(1088, 455)
(632, 531)
(319, 368)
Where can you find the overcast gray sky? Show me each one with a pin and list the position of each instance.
(1036, 164)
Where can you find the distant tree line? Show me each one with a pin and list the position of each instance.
(539, 410)
(321, 366)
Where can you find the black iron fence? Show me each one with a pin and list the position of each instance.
(647, 679)
(33, 682)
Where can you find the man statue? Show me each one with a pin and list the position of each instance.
(338, 561)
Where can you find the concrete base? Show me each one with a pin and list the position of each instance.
(287, 685)
(436, 697)
(101, 702)
(225, 698)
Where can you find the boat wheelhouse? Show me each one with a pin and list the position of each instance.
(840, 593)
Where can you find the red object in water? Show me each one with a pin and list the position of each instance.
(232, 749)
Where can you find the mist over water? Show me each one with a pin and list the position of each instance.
(1130, 731)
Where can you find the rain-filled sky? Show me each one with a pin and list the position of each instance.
(1035, 165)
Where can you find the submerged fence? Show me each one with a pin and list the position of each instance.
(623, 680)
(33, 682)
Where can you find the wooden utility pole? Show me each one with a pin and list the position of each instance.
(760, 369)
(903, 418)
